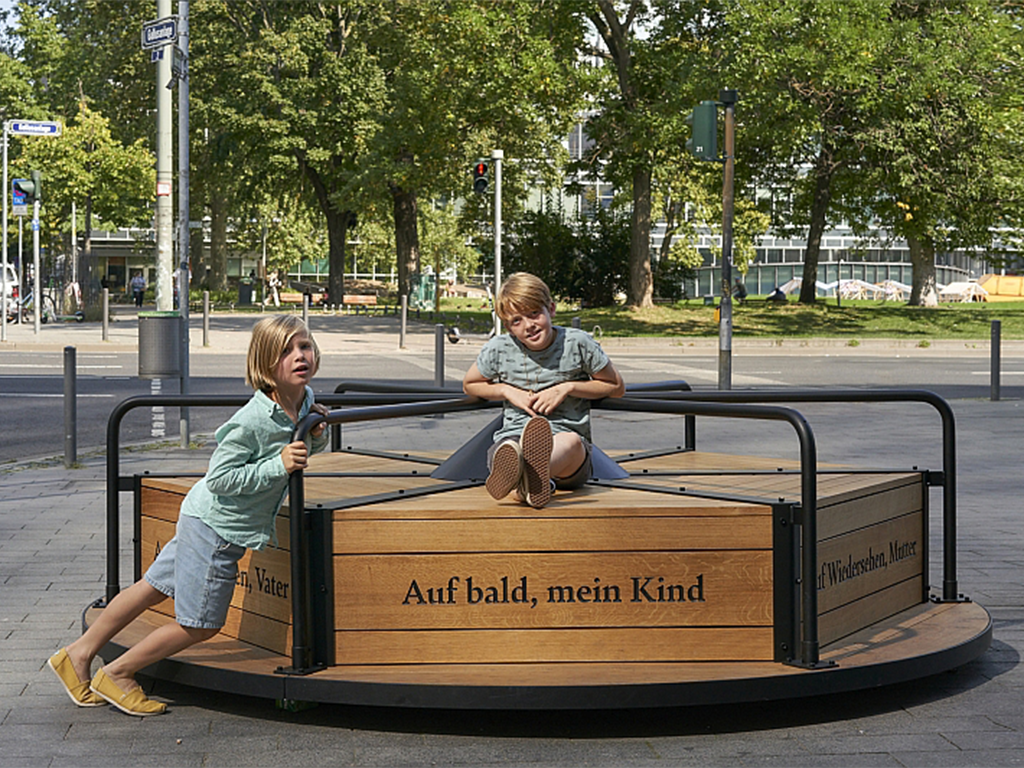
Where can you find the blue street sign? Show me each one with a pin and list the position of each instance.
(20, 199)
(159, 32)
(34, 128)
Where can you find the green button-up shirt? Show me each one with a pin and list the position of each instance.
(246, 483)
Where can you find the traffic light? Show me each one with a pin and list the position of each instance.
(480, 176)
(704, 121)
(31, 188)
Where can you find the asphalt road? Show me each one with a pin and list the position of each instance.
(32, 384)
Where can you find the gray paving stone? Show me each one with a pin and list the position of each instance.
(52, 565)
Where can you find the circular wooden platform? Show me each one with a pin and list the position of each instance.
(397, 532)
(924, 641)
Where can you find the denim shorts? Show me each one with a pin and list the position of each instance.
(198, 569)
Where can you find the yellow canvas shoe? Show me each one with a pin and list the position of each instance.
(135, 702)
(77, 689)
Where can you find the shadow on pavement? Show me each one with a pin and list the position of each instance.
(626, 723)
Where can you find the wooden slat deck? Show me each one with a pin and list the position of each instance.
(917, 632)
(377, 526)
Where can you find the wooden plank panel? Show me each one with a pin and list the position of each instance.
(923, 629)
(354, 462)
(539, 645)
(698, 460)
(161, 504)
(181, 485)
(832, 489)
(259, 631)
(868, 560)
(589, 502)
(326, 490)
(532, 535)
(838, 519)
(868, 610)
(554, 589)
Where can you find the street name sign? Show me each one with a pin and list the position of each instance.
(159, 32)
(34, 128)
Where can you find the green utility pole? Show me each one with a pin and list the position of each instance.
(728, 100)
(704, 146)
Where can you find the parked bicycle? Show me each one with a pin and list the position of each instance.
(25, 305)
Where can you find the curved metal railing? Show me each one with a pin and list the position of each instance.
(665, 397)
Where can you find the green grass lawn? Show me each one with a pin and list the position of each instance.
(853, 320)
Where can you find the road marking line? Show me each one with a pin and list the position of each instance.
(60, 367)
(30, 394)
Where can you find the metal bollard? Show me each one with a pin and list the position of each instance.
(994, 352)
(106, 314)
(70, 408)
(206, 318)
(405, 321)
(305, 309)
(439, 355)
(576, 322)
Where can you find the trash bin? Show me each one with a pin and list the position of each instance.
(245, 294)
(422, 291)
(159, 345)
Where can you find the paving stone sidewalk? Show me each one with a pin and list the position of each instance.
(52, 559)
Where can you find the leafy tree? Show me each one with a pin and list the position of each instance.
(86, 165)
(586, 259)
(942, 162)
(655, 52)
(444, 244)
(461, 79)
(87, 52)
(808, 74)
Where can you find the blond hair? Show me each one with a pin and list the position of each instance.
(270, 338)
(521, 293)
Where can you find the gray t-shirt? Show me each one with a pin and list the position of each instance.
(572, 356)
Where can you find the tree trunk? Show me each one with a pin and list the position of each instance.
(407, 238)
(819, 217)
(88, 280)
(641, 286)
(198, 258)
(218, 262)
(672, 211)
(922, 257)
(337, 232)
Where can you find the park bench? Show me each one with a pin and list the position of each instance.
(359, 299)
(294, 297)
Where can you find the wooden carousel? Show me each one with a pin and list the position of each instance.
(675, 577)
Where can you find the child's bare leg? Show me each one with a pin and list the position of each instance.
(164, 642)
(122, 611)
(567, 455)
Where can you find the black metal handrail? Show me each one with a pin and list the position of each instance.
(950, 588)
(809, 646)
(301, 607)
(384, 389)
(662, 398)
(113, 477)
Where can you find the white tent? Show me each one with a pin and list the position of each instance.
(859, 289)
(963, 292)
(894, 290)
(793, 285)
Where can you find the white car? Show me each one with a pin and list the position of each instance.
(13, 287)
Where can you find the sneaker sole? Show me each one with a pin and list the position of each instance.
(537, 444)
(505, 472)
(84, 704)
